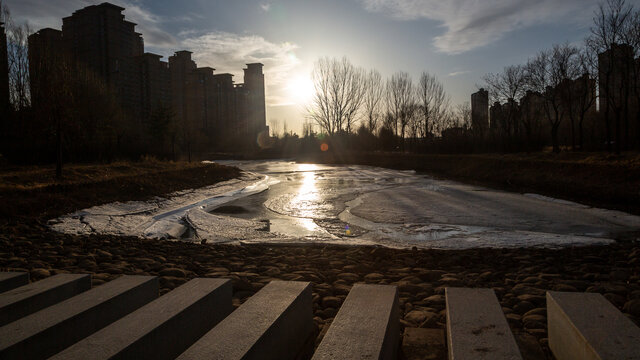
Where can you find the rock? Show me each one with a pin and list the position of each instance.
(431, 275)
(101, 254)
(619, 274)
(534, 324)
(514, 319)
(373, 277)
(419, 344)
(421, 318)
(405, 286)
(536, 311)
(331, 301)
(529, 346)
(632, 307)
(174, 272)
(349, 277)
(615, 299)
(435, 300)
(39, 273)
(411, 279)
(328, 313)
(341, 289)
(534, 299)
(563, 287)
(522, 307)
(272, 271)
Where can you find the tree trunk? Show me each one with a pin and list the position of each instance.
(554, 138)
(58, 149)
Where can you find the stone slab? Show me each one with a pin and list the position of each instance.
(476, 326)
(587, 326)
(162, 329)
(275, 323)
(27, 299)
(48, 331)
(10, 280)
(366, 327)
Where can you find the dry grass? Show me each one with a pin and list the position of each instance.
(38, 177)
(33, 193)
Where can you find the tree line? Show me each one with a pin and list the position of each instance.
(565, 96)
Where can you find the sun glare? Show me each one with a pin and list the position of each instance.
(300, 90)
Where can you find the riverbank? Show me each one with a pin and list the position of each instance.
(596, 179)
(33, 192)
(518, 276)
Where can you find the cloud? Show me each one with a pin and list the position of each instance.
(471, 24)
(458, 73)
(227, 52)
(265, 6)
(41, 14)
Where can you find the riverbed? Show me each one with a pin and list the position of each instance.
(287, 202)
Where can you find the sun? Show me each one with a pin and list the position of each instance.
(300, 90)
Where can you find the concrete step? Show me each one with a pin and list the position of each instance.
(27, 299)
(48, 331)
(587, 326)
(366, 327)
(275, 323)
(162, 329)
(476, 326)
(10, 280)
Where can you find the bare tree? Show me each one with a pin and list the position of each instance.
(580, 96)
(508, 86)
(401, 98)
(463, 115)
(18, 60)
(546, 73)
(374, 92)
(433, 102)
(610, 23)
(339, 93)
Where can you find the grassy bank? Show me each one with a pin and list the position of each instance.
(601, 180)
(33, 193)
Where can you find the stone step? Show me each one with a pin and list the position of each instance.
(275, 323)
(476, 326)
(27, 299)
(48, 331)
(366, 327)
(587, 326)
(10, 280)
(162, 329)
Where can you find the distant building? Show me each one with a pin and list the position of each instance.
(99, 38)
(614, 71)
(480, 111)
(46, 51)
(209, 109)
(496, 115)
(155, 84)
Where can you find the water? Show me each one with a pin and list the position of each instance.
(281, 201)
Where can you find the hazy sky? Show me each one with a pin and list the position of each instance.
(457, 40)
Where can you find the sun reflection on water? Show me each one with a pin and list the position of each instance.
(306, 200)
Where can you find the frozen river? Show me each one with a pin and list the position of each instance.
(280, 201)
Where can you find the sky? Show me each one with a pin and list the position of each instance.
(459, 41)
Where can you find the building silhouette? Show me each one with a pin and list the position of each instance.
(480, 111)
(209, 110)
